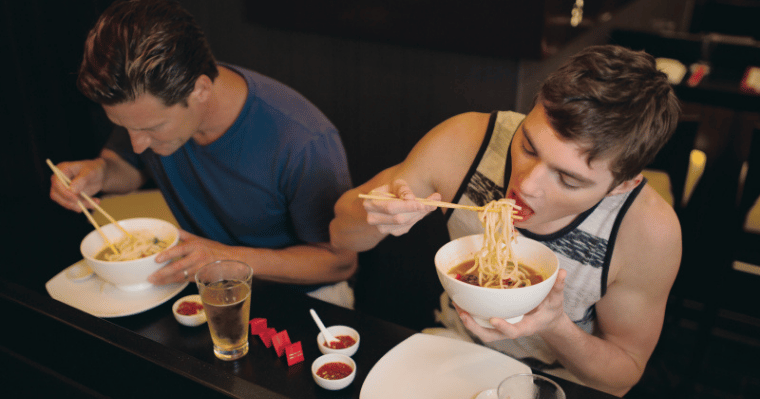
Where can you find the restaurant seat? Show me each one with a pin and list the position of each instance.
(678, 167)
(745, 267)
(396, 280)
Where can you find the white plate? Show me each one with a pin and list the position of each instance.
(102, 299)
(487, 394)
(435, 367)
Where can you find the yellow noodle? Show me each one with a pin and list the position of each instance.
(140, 245)
(496, 261)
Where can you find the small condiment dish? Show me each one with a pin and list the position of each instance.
(192, 320)
(333, 385)
(338, 331)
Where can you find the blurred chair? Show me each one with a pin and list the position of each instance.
(678, 167)
(745, 268)
(730, 314)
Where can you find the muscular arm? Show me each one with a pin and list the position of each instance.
(300, 264)
(630, 315)
(304, 264)
(434, 168)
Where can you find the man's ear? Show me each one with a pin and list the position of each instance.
(627, 185)
(202, 90)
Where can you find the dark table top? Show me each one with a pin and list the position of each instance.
(60, 349)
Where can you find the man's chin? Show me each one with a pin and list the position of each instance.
(163, 152)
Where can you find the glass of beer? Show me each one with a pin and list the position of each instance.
(225, 290)
(529, 386)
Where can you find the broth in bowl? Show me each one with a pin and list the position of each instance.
(141, 244)
(468, 273)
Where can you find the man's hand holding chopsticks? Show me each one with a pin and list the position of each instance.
(397, 217)
(86, 176)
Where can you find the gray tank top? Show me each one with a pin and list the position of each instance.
(584, 247)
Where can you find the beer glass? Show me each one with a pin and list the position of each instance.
(225, 290)
(529, 386)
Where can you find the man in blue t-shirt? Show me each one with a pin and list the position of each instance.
(249, 167)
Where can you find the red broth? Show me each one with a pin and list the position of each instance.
(334, 371)
(458, 272)
(188, 308)
(344, 341)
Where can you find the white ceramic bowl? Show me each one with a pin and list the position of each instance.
(193, 320)
(336, 331)
(130, 275)
(485, 303)
(333, 385)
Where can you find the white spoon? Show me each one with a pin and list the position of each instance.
(79, 272)
(328, 337)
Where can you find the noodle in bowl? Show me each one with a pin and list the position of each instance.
(132, 274)
(506, 303)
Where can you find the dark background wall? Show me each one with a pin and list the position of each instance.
(382, 94)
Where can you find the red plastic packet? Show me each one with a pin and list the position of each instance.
(294, 353)
(698, 72)
(266, 336)
(258, 325)
(280, 341)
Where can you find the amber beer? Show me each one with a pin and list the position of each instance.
(225, 290)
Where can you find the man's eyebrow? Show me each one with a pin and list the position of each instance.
(145, 128)
(557, 168)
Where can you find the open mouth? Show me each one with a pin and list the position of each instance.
(526, 211)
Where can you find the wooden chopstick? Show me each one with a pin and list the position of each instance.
(66, 181)
(389, 196)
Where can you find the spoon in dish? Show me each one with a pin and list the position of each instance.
(328, 337)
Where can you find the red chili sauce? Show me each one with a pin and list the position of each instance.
(334, 371)
(188, 308)
(344, 341)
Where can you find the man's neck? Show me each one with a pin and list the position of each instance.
(228, 95)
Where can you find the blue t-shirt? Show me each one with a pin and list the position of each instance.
(270, 181)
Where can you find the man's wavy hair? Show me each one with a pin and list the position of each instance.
(144, 46)
(615, 103)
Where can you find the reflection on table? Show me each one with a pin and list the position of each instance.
(64, 350)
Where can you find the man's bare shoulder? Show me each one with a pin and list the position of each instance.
(463, 129)
(649, 239)
(657, 219)
(446, 152)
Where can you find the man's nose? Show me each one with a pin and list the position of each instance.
(140, 141)
(533, 180)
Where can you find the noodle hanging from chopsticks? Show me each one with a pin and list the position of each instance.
(496, 262)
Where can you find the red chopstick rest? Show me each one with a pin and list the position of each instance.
(280, 341)
(258, 325)
(266, 336)
(294, 353)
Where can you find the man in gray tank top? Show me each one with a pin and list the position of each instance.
(573, 164)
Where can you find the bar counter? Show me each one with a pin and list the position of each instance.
(49, 348)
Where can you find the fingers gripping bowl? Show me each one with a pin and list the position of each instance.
(484, 303)
(128, 275)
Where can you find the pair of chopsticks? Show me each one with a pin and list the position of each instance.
(388, 196)
(67, 182)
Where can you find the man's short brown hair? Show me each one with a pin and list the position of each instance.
(616, 103)
(144, 46)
